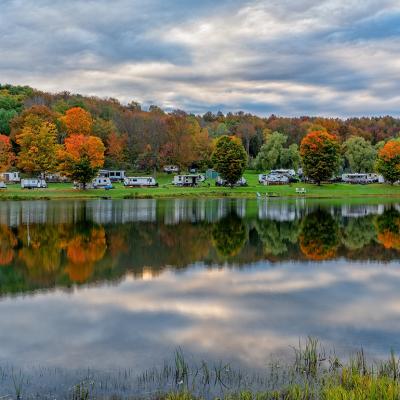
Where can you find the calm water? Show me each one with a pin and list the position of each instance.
(122, 284)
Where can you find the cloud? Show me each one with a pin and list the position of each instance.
(286, 57)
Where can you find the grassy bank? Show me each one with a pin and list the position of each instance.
(207, 189)
(313, 375)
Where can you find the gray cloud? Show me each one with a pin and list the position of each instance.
(287, 57)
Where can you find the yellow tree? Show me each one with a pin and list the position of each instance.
(38, 148)
(77, 121)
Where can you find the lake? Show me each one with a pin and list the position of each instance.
(122, 284)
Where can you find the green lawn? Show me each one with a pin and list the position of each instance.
(207, 189)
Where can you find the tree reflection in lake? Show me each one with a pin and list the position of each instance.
(50, 244)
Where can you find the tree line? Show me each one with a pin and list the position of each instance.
(75, 135)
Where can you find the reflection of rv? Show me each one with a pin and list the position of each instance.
(357, 211)
(222, 182)
(114, 176)
(139, 181)
(102, 183)
(11, 177)
(169, 169)
(188, 180)
(362, 178)
(33, 183)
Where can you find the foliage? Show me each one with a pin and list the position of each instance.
(81, 157)
(5, 118)
(319, 152)
(38, 148)
(229, 158)
(359, 154)
(388, 163)
(77, 121)
(7, 156)
(388, 228)
(273, 154)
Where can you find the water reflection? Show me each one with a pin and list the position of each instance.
(48, 244)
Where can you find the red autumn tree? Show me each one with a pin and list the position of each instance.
(77, 121)
(7, 156)
(320, 156)
(388, 163)
(116, 145)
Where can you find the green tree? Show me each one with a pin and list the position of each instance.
(388, 162)
(359, 154)
(320, 156)
(274, 155)
(229, 158)
(5, 117)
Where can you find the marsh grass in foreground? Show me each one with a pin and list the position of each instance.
(313, 374)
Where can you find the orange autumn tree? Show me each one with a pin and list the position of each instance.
(81, 157)
(77, 121)
(116, 145)
(388, 227)
(388, 163)
(7, 156)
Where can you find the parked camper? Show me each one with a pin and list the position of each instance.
(362, 179)
(287, 172)
(262, 178)
(114, 176)
(140, 181)
(276, 179)
(54, 178)
(11, 177)
(188, 180)
(222, 182)
(33, 184)
(102, 183)
(169, 169)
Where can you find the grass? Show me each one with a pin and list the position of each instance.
(207, 189)
(314, 374)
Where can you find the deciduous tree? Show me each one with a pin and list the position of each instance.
(7, 156)
(77, 121)
(388, 162)
(319, 152)
(360, 154)
(229, 158)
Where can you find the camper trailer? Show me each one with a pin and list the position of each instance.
(140, 181)
(102, 183)
(188, 180)
(11, 177)
(222, 182)
(361, 178)
(114, 176)
(274, 178)
(169, 169)
(33, 184)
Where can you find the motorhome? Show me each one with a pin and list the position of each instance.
(276, 179)
(362, 178)
(188, 180)
(33, 184)
(222, 182)
(114, 176)
(11, 177)
(140, 181)
(102, 183)
(169, 169)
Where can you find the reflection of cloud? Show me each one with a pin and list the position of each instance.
(235, 315)
(289, 57)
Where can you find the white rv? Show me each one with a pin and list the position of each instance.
(11, 177)
(114, 176)
(169, 169)
(33, 184)
(102, 183)
(222, 182)
(361, 178)
(188, 180)
(139, 181)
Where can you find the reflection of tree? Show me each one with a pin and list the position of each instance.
(276, 235)
(83, 250)
(358, 233)
(7, 243)
(229, 235)
(388, 227)
(319, 238)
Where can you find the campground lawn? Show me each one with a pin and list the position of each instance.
(207, 189)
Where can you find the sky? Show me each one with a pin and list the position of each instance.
(287, 57)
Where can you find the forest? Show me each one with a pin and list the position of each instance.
(146, 140)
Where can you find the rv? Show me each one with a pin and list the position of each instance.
(11, 177)
(188, 180)
(33, 184)
(276, 179)
(114, 176)
(362, 179)
(140, 181)
(102, 183)
(222, 182)
(169, 169)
